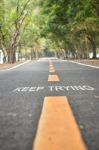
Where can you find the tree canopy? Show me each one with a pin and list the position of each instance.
(68, 27)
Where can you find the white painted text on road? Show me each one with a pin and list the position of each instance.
(74, 88)
(54, 88)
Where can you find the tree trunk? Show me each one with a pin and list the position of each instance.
(11, 57)
(93, 43)
(94, 49)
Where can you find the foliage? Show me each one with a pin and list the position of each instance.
(68, 27)
(72, 22)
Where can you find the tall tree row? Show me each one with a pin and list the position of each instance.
(73, 25)
(18, 27)
(68, 27)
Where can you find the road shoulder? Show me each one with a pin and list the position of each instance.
(89, 63)
(12, 66)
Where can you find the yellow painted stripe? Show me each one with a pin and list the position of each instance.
(52, 70)
(53, 78)
(51, 67)
(57, 128)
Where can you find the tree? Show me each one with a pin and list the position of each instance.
(13, 24)
(72, 18)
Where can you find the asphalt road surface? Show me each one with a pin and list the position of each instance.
(22, 93)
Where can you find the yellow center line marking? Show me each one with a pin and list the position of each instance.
(51, 65)
(52, 70)
(57, 128)
(53, 78)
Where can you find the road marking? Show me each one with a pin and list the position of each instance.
(85, 64)
(52, 70)
(29, 89)
(71, 88)
(57, 128)
(53, 78)
(18, 65)
(64, 88)
(51, 67)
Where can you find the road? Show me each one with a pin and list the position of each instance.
(22, 93)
